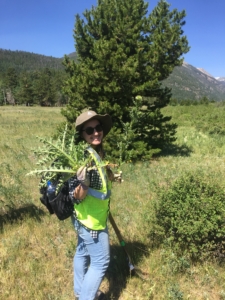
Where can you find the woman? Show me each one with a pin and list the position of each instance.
(91, 191)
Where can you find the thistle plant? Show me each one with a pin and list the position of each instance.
(59, 159)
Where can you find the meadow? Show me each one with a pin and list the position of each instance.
(36, 250)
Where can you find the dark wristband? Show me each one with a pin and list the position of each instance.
(84, 186)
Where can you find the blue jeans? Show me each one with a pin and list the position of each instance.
(90, 261)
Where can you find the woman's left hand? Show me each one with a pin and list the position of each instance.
(110, 174)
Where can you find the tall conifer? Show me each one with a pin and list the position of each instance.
(122, 52)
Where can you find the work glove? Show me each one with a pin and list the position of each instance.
(118, 177)
(83, 177)
(110, 174)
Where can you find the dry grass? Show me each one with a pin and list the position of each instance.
(36, 250)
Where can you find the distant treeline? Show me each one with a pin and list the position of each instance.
(42, 87)
(187, 102)
(26, 61)
(28, 78)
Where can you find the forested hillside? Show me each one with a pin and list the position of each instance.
(26, 61)
(28, 78)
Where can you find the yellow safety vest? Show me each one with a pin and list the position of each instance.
(93, 211)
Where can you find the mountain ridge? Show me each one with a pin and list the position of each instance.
(189, 82)
(220, 78)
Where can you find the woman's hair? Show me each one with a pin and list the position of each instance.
(100, 151)
(77, 138)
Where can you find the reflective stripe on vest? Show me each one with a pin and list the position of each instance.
(98, 194)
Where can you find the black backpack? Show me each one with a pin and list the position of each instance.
(61, 205)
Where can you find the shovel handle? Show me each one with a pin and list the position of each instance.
(122, 243)
(116, 229)
(121, 240)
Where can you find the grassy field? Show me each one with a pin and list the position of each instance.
(36, 250)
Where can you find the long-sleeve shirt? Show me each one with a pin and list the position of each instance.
(95, 183)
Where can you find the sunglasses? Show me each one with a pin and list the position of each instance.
(90, 130)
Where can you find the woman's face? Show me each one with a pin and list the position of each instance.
(95, 138)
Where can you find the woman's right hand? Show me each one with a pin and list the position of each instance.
(80, 192)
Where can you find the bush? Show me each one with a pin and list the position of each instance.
(191, 214)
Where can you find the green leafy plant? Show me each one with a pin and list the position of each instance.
(12, 191)
(174, 292)
(192, 215)
(60, 159)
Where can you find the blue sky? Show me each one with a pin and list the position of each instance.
(46, 27)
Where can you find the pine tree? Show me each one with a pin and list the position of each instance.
(122, 52)
(24, 93)
(2, 93)
(43, 88)
(10, 79)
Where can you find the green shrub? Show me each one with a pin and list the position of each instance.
(174, 292)
(12, 191)
(191, 214)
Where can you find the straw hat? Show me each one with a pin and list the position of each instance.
(105, 120)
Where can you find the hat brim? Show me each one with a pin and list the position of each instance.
(105, 121)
